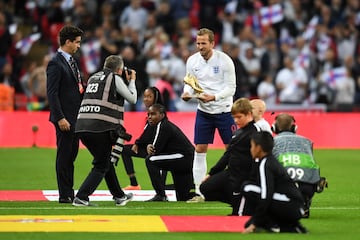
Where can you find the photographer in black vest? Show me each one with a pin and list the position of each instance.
(100, 126)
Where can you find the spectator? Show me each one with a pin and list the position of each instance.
(252, 66)
(242, 76)
(164, 17)
(37, 83)
(136, 62)
(267, 91)
(270, 61)
(5, 40)
(133, 17)
(291, 83)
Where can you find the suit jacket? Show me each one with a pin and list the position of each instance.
(62, 90)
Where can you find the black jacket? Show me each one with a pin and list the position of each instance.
(62, 90)
(273, 178)
(169, 139)
(146, 137)
(237, 157)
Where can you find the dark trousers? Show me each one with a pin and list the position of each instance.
(307, 190)
(127, 155)
(180, 167)
(67, 149)
(100, 146)
(217, 187)
(283, 212)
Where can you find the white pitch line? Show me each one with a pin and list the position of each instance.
(155, 208)
(103, 208)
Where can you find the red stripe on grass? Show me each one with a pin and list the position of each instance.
(26, 195)
(205, 223)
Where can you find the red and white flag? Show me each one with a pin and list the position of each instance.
(303, 59)
(91, 55)
(334, 76)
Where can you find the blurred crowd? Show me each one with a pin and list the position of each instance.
(298, 52)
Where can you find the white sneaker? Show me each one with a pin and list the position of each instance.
(196, 199)
(80, 203)
(123, 200)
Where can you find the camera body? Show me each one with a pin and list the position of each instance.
(128, 70)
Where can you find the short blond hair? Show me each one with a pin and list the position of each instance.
(241, 105)
(206, 31)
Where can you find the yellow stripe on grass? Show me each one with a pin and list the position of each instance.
(81, 223)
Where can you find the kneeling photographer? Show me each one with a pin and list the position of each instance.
(295, 153)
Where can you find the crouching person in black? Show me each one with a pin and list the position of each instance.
(279, 203)
(172, 151)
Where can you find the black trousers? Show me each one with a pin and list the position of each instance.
(307, 190)
(180, 167)
(127, 155)
(281, 211)
(217, 187)
(67, 149)
(100, 146)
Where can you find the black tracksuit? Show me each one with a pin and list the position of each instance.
(145, 139)
(233, 168)
(277, 199)
(175, 153)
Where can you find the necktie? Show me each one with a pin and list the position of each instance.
(77, 73)
(73, 66)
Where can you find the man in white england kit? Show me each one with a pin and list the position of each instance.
(215, 74)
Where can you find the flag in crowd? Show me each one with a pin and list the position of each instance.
(311, 28)
(303, 59)
(334, 76)
(322, 45)
(91, 54)
(272, 14)
(25, 44)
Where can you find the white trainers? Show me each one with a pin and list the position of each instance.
(123, 200)
(81, 203)
(196, 199)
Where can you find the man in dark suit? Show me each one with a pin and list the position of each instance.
(65, 91)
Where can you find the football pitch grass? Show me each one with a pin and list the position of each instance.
(335, 213)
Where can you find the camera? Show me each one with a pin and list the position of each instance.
(128, 70)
